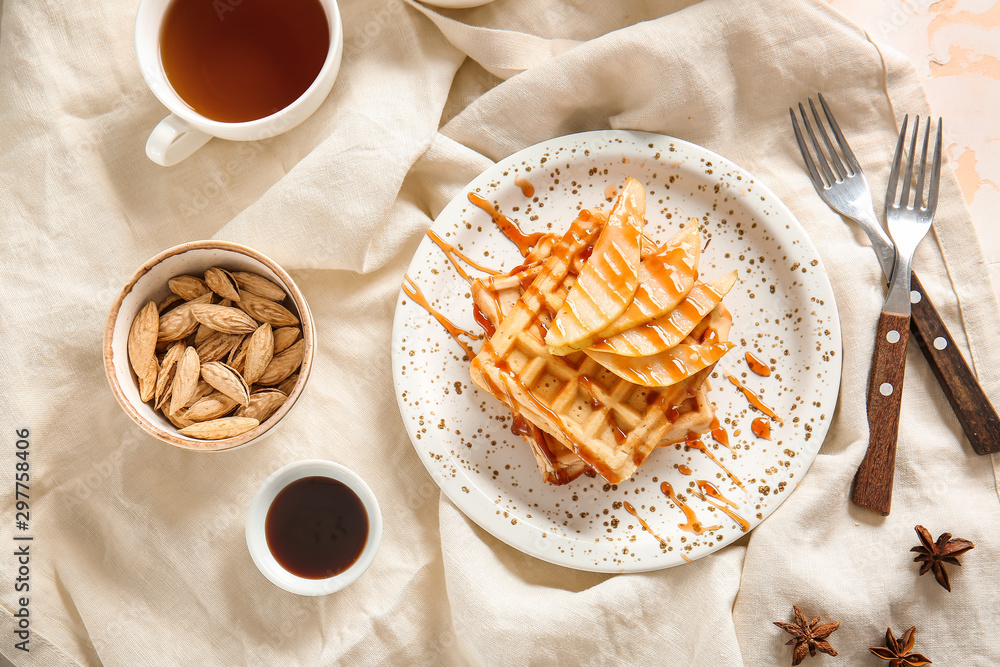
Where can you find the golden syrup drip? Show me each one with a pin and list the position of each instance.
(631, 510)
(412, 291)
(695, 443)
(683, 469)
(527, 189)
(761, 428)
(692, 525)
(740, 521)
(755, 400)
(524, 242)
(757, 366)
(736, 433)
(520, 425)
(483, 321)
(451, 252)
(719, 434)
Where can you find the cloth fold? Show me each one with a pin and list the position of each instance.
(140, 555)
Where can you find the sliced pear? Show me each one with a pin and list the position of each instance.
(608, 280)
(664, 280)
(666, 368)
(671, 329)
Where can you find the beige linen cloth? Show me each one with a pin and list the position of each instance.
(139, 556)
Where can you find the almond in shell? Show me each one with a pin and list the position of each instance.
(225, 319)
(265, 310)
(169, 302)
(217, 346)
(142, 339)
(283, 365)
(222, 283)
(284, 337)
(259, 285)
(259, 352)
(147, 381)
(263, 404)
(288, 384)
(188, 287)
(201, 391)
(213, 406)
(227, 381)
(185, 380)
(220, 429)
(180, 322)
(165, 378)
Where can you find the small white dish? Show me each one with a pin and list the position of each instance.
(257, 515)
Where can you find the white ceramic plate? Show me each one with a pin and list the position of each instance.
(783, 310)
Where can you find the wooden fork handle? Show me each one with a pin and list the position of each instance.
(873, 481)
(975, 413)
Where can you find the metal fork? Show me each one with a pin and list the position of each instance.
(908, 225)
(841, 183)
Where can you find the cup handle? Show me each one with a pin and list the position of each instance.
(173, 140)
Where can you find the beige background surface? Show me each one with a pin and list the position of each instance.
(139, 555)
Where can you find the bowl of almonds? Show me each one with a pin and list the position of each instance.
(208, 346)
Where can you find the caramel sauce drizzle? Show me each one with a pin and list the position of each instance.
(755, 400)
(687, 558)
(757, 366)
(719, 434)
(720, 502)
(692, 525)
(524, 242)
(527, 189)
(414, 292)
(761, 428)
(683, 469)
(693, 442)
(631, 510)
(483, 321)
(451, 252)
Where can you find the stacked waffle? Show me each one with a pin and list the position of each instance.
(602, 342)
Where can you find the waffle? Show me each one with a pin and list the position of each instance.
(581, 410)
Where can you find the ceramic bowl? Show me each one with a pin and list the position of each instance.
(257, 515)
(149, 283)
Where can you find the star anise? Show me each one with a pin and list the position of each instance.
(807, 637)
(935, 555)
(897, 652)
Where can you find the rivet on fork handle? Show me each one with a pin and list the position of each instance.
(873, 482)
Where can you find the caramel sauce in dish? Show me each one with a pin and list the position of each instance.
(316, 527)
(755, 400)
(692, 525)
(757, 366)
(510, 229)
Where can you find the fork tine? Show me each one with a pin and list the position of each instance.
(890, 191)
(845, 148)
(838, 166)
(932, 196)
(824, 165)
(904, 197)
(804, 149)
(918, 199)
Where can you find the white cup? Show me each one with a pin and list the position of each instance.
(257, 517)
(184, 131)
